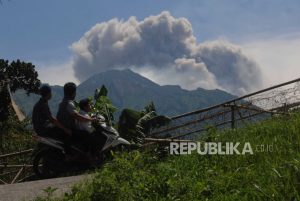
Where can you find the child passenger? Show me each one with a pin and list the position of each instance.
(99, 139)
(85, 108)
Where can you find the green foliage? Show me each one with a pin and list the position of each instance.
(143, 124)
(49, 191)
(150, 121)
(16, 75)
(103, 104)
(127, 125)
(15, 135)
(265, 175)
(149, 108)
(100, 92)
(135, 126)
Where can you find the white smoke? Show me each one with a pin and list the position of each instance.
(165, 50)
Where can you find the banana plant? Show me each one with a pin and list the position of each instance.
(103, 104)
(136, 125)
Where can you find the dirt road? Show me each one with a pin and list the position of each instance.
(29, 190)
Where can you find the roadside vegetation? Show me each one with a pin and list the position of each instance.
(16, 136)
(271, 173)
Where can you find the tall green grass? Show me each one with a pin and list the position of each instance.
(265, 175)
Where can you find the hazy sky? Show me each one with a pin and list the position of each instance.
(43, 32)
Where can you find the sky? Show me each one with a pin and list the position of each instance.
(191, 40)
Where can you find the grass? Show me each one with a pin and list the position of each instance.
(265, 175)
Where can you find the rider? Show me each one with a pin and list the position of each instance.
(98, 138)
(67, 115)
(43, 120)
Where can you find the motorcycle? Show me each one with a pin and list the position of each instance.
(50, 158)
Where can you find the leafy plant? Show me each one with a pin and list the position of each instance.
(103, 104)
(127, 125)
(49, 195)
(135, 126)
(49, 191)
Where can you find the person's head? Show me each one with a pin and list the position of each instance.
(70, 90)
(85, 105)
(45, 92)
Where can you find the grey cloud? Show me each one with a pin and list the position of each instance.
(166, 46)
(232, 69)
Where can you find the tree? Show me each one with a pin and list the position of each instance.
(13, 76)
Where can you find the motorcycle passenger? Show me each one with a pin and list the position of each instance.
(67, 115)
(98, 138)
(43, 120)
(85, 108)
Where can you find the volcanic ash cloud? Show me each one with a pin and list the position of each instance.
(164, 49)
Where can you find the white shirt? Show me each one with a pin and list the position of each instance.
(87, 126)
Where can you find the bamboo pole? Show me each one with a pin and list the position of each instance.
(16, 153)
(6, 173)
(3, 181)
(191, 122)
(262, 110)
(14, 166)
(236, 99)
(18, 174)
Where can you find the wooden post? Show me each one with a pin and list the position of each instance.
(232, 116)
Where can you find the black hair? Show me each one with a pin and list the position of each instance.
(69, 89)
(45, 91)
(83, 103)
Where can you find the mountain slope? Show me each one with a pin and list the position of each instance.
(130, 90)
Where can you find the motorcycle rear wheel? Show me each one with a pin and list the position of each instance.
(48, 163)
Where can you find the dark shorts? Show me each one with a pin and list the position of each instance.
(55, 133)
